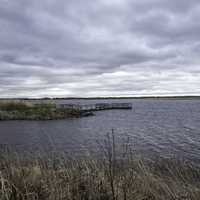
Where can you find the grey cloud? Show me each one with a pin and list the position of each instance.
(94, 48)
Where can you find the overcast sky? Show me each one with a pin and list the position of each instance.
(65, 48)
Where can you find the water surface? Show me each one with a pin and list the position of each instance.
(156, 128)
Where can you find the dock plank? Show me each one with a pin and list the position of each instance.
(97, 106)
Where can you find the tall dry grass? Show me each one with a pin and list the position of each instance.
(112, 175)
(21, 110)
(15, 105)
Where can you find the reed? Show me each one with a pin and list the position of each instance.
(112, 175)
(12, 110)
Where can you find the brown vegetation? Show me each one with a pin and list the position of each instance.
(28, 111)
(108, 177)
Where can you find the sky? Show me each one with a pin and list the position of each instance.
(90, 48)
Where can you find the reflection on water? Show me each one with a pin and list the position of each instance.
(156, 127)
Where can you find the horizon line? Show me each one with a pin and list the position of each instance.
(103, 97)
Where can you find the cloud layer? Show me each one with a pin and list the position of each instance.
(99, 48)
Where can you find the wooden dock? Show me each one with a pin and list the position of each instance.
(96, 107)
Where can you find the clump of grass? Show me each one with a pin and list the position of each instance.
(12, 105)
(113, 175)
(27, 111)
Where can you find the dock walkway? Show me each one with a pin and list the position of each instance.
(96, 107)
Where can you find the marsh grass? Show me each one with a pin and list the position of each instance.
(12, 105)
(27, 111)
(112, 175)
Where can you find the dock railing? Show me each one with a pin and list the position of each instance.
(97, 106)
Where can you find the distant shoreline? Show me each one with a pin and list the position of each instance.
(102, 98)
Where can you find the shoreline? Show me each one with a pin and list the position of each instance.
(51, 111)
(27, 111)
(197, 97)
(108, 177)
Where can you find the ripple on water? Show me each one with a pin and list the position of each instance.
(156, 127)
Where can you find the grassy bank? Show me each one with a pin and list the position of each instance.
(28, 111)
(106, 177)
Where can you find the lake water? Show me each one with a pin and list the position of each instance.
(165, 128)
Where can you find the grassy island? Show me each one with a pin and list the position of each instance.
(29, 111)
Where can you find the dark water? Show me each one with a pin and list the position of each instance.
(155, 127)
